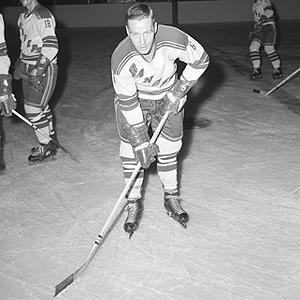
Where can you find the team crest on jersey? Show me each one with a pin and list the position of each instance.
(135, 72)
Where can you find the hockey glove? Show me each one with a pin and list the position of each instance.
(7, 100)
(144, 152)
(37, 74)
(19, 70)
(174, 100)
(263, 19)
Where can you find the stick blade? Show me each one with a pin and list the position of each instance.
(61, 286)
(257, 91)
(69, 280)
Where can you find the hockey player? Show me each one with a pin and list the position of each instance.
(7, 101)
(146, 85)
(37, 68)
(264, 33)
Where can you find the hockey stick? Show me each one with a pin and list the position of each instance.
(43, 133)
(70, 279)
(278, 85)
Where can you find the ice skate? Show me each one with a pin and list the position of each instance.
(134, 209)
(42, 153)
(277, 73)
(174, 209)
(256, 74)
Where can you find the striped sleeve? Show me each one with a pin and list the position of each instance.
(46, 28)
(196, 58)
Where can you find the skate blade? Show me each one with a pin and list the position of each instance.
(183, 224)
(130, 235)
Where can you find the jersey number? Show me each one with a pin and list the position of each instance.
(47, 23)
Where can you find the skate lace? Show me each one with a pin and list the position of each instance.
(174, 202)
(132, 210)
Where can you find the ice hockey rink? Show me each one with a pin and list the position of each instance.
(239, 172)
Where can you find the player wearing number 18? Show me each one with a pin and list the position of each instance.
(146, 86)
(37, 68)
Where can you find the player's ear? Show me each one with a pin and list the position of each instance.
(155, 27)
(127, 30)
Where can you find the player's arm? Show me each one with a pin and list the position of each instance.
(4, 59)
(268, 11)
(48, 51)
(7, 100)
(197, 61)
(133, 122)
(46, 29)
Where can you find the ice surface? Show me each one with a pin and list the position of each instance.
(239, 178)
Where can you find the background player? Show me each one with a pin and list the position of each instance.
(146, 85)
(37, 67)
(7, 102)
(264, 33)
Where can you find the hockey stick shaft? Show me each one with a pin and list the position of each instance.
(70, 279)
(41, 132)
(282, 82)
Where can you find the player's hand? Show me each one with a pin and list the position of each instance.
(35, 80)
(36, 75)
(169, 103)
(145, 154)
(263, 19)
(7, 99)
(7, 104)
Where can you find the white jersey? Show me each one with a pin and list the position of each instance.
(136, 79)
(262, 8)
(37, 35)
(4, 59)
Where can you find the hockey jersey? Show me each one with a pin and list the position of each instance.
(134, 78)
(4, 59)
(37, 35)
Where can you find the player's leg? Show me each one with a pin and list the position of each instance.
(169, 143)
(255, 58)
(269, 40)
(134, 206)
(39, 113)
(129, 163)
(275, 61)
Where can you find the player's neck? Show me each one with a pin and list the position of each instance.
(31, 8)
(149, 57)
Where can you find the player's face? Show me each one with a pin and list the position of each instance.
(28, 3)
(141, 33)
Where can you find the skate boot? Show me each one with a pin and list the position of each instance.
(256, 74)
(134, 209)
(174, 209)
(277, 73)
(42, 153)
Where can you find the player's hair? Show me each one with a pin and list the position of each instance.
(139, 11)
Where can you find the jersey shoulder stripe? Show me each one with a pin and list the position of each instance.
(42, 12)
(122, 54)
(171, 36)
